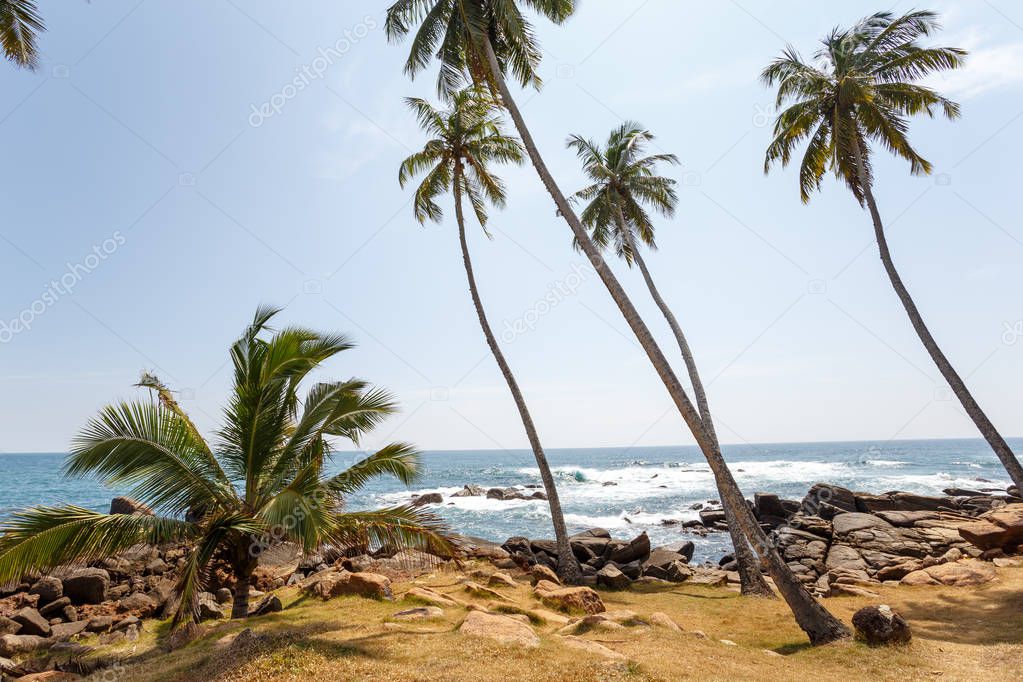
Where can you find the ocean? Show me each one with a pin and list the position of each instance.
(650, 484)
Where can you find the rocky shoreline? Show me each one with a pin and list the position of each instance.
(837, 541)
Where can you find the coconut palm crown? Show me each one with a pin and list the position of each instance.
(623, 179)
(265, 481)
(20, 23)
(453, 32)
(465, 139)
(859, 89)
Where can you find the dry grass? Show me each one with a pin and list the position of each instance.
(960, 633)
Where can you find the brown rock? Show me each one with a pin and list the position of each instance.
(540, 572)
(49, 590)
(15, 645)
(87, 586)
(501, 629)
(569, 599)
(128, 506)
(138, 604)
(65, 631)
(591, 648)
(32, 623)
(430, 597)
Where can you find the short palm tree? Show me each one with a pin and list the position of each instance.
(266, 479)
(623, 181)
(861, 90)
(20, 23)
(482, 41)
(465, 140)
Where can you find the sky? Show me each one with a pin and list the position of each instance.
(171, 165)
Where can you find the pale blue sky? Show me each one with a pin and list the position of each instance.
(139, 129)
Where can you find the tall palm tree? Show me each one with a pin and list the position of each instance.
(860, 89)
(465, 140)
(482, 40)
(20, 23)
(264, 481)
(622, 181)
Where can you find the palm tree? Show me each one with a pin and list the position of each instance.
(859, 90)
(265, 481)
(482, 40)
(622, 180)
(20, 23)
(464, 140)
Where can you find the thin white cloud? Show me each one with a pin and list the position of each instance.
(988, 68)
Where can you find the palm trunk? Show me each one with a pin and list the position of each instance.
(820, 626)
(568, 565)
(751, 579)
(984, 425)
(245, 563)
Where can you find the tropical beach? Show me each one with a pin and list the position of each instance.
(424, 346)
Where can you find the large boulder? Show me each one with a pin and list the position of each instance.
(998, 529)
(8, 626)
(956, 574)
(332, 584)
(569, 599)
(661, 558)
(138, 604)
(209, 608)
(427, 498)
(128, 506)
(897, 501)
(470, 491)
(686, 548)
(826, 500)
(502, 629)
(15, 645)
(32, 623)
(610, 577)
(638, 549)
(48, 588)
(877, 625)
(87, 586)
(869, 532)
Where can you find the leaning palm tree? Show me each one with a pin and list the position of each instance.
(266, 480)
(20, 23)
(860, 89)
(622, 180)
(482, 40)
(464, 140)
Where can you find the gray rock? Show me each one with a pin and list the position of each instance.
(32, 623)
(15, 645)
(55, 608)
(224, 596)
(209, 609)
(470, 491)
(610, 577)
(825, 500)
(879, 625)
(428, 498)
(99, 624)
(8, 626)
(271, 603)
(49, 589)
(638, 549)
(65, 631)
(87, 586)
(139, 604)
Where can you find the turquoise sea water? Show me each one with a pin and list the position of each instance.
(650, 483)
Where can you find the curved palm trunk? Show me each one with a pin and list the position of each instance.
(751, 579)
(568, 565)
(820, 626)
(984, 425)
